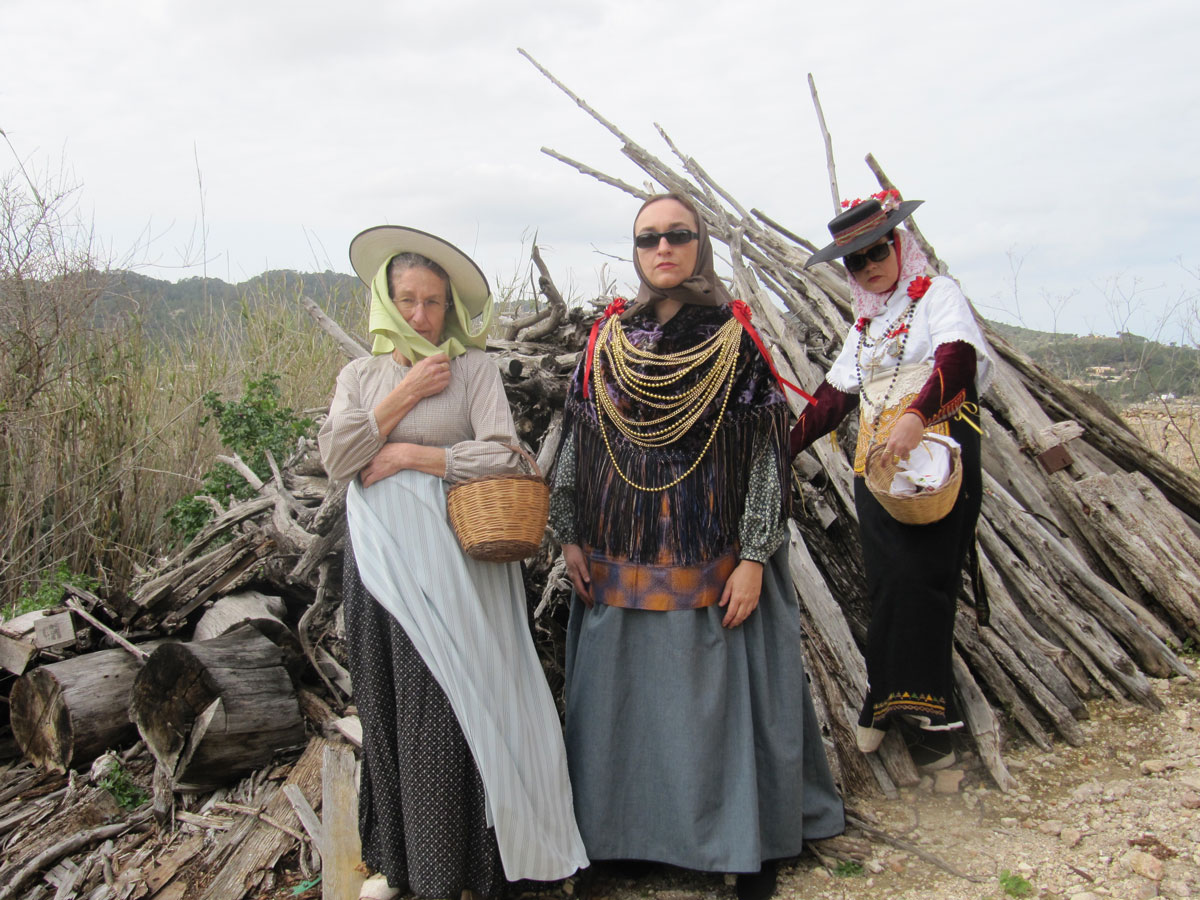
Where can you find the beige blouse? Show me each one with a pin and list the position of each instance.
(468, 418)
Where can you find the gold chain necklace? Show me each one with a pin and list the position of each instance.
(627, 364)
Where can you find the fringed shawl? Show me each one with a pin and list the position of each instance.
(696, 520)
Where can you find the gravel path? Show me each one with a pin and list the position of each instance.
(1119, 818)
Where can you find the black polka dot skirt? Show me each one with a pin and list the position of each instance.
(421, 811)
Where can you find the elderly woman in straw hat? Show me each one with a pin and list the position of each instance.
(464, 782)
(914, 363)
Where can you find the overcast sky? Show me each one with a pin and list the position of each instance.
(1057, 138)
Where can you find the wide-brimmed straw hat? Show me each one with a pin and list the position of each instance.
(860, 226)
(370, 249)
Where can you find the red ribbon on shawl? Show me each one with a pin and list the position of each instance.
(741, 312)
(613, 309)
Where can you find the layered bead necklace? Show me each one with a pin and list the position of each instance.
(647, 378)
(897, 335)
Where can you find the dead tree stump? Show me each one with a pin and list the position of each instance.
(67, 713)
(210, 711)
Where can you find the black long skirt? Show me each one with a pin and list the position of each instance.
(421, 812)
(914, 575)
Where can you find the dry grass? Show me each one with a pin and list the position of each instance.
(111, 436)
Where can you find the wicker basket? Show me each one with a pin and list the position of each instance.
(923, 508)
(500, 518)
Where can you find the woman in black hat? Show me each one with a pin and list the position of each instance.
(915, 362)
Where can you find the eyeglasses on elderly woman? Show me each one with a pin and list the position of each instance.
(856, 262)
(407, 305)
(675, 237)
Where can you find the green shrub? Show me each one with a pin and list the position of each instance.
(1014, 885)
(124, 790)
(49, 591)
(251, 427)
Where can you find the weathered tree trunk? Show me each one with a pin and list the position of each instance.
(67, 713)
(212, 710)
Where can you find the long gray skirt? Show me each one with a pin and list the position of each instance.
(692, 744)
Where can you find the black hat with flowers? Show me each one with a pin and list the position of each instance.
(863, 223)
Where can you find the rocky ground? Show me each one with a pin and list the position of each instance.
(1117, 818)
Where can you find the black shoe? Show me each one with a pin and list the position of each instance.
(930, 750)
(758, 885)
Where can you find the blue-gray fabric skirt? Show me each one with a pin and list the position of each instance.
(692, 744)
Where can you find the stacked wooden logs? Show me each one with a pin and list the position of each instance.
(1088, 540)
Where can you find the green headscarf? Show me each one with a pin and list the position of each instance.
(393, 333)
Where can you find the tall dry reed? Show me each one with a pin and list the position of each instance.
(111, 438)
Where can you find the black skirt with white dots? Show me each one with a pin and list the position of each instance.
(421, 811)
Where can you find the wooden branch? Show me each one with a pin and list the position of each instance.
(599, 176)
(909, 847)
(349, 345)
(66, 847)
(302, 631)
(74, 605)
(237, 463)
(791, 236)
(825, 136)
(911, 225)
(557, 306)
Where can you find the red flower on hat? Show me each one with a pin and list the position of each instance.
(918, 287)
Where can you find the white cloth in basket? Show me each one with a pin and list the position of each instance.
(927, 468)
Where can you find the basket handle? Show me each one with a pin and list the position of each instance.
(533, 466)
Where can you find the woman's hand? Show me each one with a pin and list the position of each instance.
(741, 592)
(390, 459)
(428, 377)
(577, 569)
(906, 434)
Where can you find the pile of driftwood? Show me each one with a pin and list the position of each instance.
(221, 680)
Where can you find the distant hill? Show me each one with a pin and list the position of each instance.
(169, 306)
(1123, 369)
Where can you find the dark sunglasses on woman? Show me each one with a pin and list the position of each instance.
(675, 237)
(878, 253)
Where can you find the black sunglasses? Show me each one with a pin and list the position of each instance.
(675, 237)
(857, 261)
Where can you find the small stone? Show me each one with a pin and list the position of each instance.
(1190, 800)
(1071, 836)
(1181, 679)
(874, 866)
(1008, 820)
(1156, 766)
(1089, 790)
(1176, 887)
(822, 873)
(925, 785)
(1086, 895)
(1016, 765)
(1052, 827)
(1144, 864)
(1191, 782)
(1023, 798)
(947, 781)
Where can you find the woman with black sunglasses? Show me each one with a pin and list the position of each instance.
(915, 362)
(691, 737)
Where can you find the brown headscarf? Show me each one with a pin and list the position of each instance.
(702, 288)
